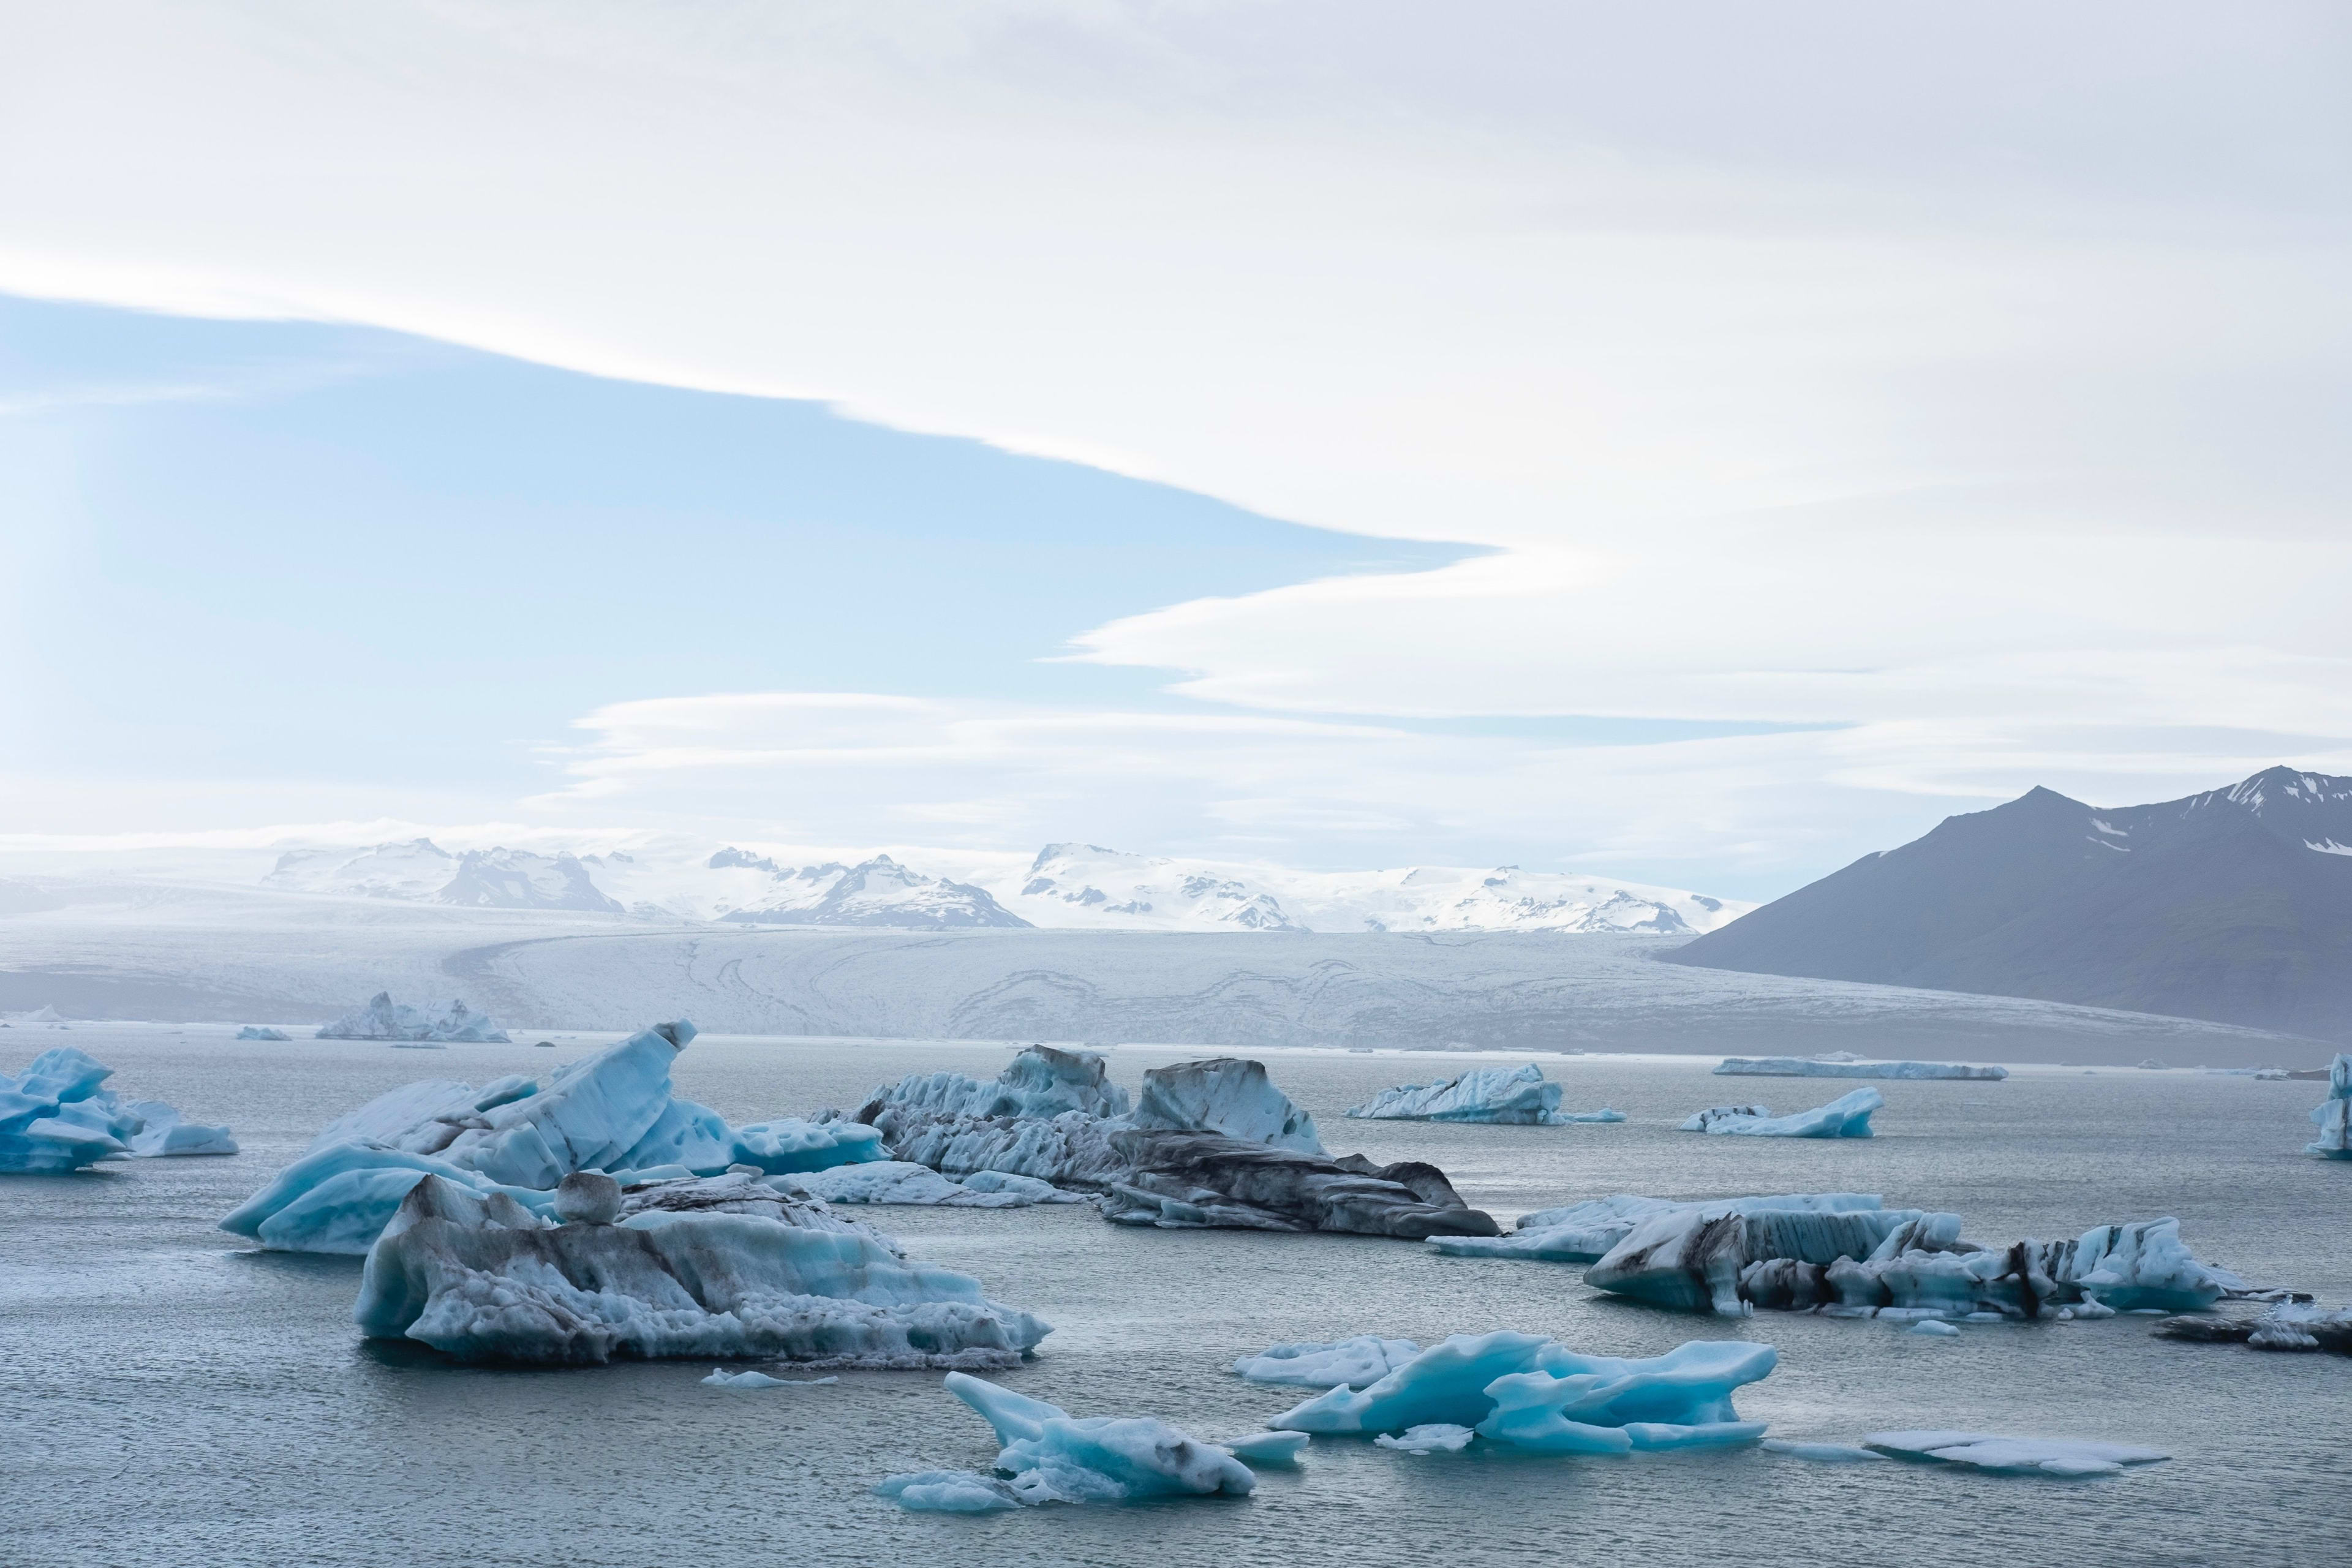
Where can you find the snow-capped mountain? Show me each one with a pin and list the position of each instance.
(502, 878)
(420, 870)
(1085, 885)
(877, 892)
(415, 869)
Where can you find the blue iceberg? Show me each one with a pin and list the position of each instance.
(1356, 1362)
(1586, 1232)
(1848, 1116)
(436, 1023)
(58, 1117)
(1845, 1064)
(1517, 1097)
(2333, 1115)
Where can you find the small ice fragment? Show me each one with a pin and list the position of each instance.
(1430, 1437)
(1268, 1448)
(948, 1491)
(1934, 1328)
(1824, 1453)
(2014, 1456)
(721, 1378)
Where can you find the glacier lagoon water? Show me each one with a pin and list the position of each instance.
(167, 1394)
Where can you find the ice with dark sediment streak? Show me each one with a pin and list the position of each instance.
(1848, 1116)
(1356, 1363)
(1904, 1263)
(1190, 1181)
(2333, 1116)
(704, 1268)
(1517, 1097)
(612, 1111)
(1585, 1232)
(901, 1181)
(1225, 1095)
(2062, 1456)
(1530, 1392)
(1845, 1064)
(436, 1023)
(57, 1116)
(2292, 1326)
(1047, 1457)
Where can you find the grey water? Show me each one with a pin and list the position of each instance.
(168, 1394)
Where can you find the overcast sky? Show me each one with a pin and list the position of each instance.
(1697, 442)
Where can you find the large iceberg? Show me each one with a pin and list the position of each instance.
(57, 1116)
(2333, 1114)
(1845, 1064)
(612, 1111)
(1586, 1232)
(707, 1267)
(1356, 1362)
(385, 1019)
(1533, 1392)
(2294, 1325)
(1899, 1262)
(1514, 1096)
(1049, 1456)
(1210, 1143)
(2013, 1455)
(1848, 1116)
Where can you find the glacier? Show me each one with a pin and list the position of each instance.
(1208, 1143)
(2062, 1456)
(1899, 1263)
(1848, 1116)
(1532, 1392)
(610, 1112)
(1511, 1096)
(1586, 1232)
(1845, 1064)
(437, 1022)
(2333, 1115)
(57, 1116)
(1356, 1363)
(903, 1181)
(704, 1268)
(1047, 1456)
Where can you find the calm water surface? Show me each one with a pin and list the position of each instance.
(167, 1395)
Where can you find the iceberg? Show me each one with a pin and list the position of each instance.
(1900, 1262)
(385, 1019)
(1190, 1181)
(611, 1112)
(1051, 1457)
(902, 1182)
(2333, 1115)
(703, 1268)
(1512, 1096)
(1844, 1064)
(2293, 1325)
(1358, 1362)
(1824, 1453)
(1848, 1116)
(1268, 1448)
(58, 1117)
(1586, 1232)
(721, 1378)
(1228, 1095)
(2013, 1455)
(259, 1032)
(1436, 1437)
(1536, 1394)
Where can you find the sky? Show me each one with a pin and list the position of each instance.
(1697, 443)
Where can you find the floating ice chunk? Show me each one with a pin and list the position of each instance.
(58, 1117)
(721, 1378)
(1039, 1082)
(902, 1182)
(1824, 1453)
(1844, 1064)
(2333, 1116)
(2014, 1456)
(1053, 1458)
(1193, 1179)
(1433, 1437)
(2287, 1326)
(1228, 1095)
(1510, 1096)
(262, 1032)
(792, 1145)
(1700, 1257)
(1934, 1328)
(1536, 1394)
(948, 1491)
(383, 1019)
(1848, 1116)
(483, 1278)
(1268, 1448)
(339, 1199)
(1356, 1363)
(1585, 1232)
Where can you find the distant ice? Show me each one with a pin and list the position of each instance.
(1512, 1096)
(721, 1378)
(57, 1116)
(255, 1032)
(2014, 1456)
(1848, 1116)
(1845, 1064)
(436, 1023)
(1356, 1364)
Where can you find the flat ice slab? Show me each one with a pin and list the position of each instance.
(1844, 1064)
(1435, 1437)
(1848, 1116)
(902, 1182)
(2014, 1456)
(1586, 1232)
(1353, 1363)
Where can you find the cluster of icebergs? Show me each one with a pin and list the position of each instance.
(57, 1116)
(2333, 1115)
(437, 1023)
(1511, 1096)
(1846, 1064)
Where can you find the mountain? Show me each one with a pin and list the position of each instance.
(1087, 886)
(522, 879)
(2234, 905)
(879, 892)
(417, 869)
(420, 870)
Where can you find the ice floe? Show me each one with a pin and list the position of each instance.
(1848, 1116)
(437, 1023)
(612, 1111)
(903, 1181)
(57, 1116)
(1533, 1392)
(2014, 1456)
(702, 1268)
(262, 1032)
(1435, 1437)
(1585, 1232)
(2296, 1325)
(1268, 1448)
(721, 1378)
(1512, 1096)
(1047, 1456)
(2333, 1115)
(1845, 1064)
(1933, 1327)
(1824, 1453)
(1899, 1262)
(1356, 1363)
